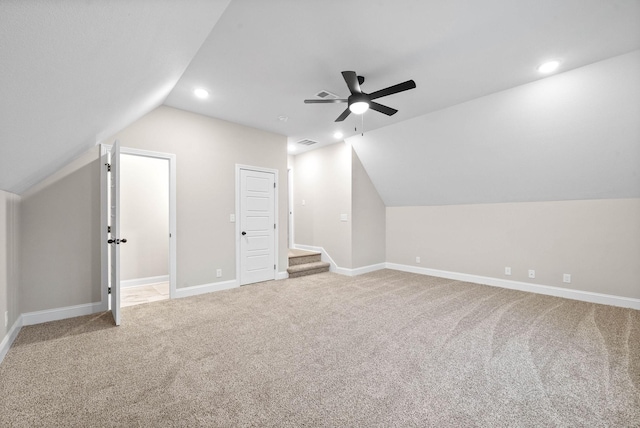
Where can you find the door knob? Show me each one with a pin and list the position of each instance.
(244, 233)
(117, 241)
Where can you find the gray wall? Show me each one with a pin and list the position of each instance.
(207, 151)
(332, 181)
(144, 217)
(60, 238)
(369, 218)
(322, 179)
(9, 262)
(596, 241)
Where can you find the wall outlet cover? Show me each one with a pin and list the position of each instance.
(218, 273)
(566, 278)
(417, 259)
(507, 271)
(532, 273)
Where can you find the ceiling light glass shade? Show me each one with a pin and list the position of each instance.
(359, 107)
(201, 93)
(548, 67)
(337, 135)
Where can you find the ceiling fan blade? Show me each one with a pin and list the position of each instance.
(344, 115)
(325, 101)
(382, 109)
(352, 81)
(404, 86)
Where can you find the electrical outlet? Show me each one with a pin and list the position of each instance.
(532, 273)
(218, 273)
(232, 218)
(304, 202)
(507, 271)
(6, 318)
(417, 259)
(566, 278)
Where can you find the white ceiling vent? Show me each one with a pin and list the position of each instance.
(326, 95)
(307, 142)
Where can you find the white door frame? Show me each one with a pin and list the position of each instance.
(290, 240)
(275, 214)
(104, 254)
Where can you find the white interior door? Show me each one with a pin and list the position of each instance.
(114, 238)
(257, 226)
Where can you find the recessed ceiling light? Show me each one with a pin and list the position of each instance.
(337, 135)
(548, 67)
(201, 93)
(283, 118)
(291, 148)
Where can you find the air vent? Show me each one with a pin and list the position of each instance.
(326, 95)
(307, 142)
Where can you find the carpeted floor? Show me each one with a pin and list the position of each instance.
(382, 349)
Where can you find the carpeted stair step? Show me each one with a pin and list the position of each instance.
(305, 269)
(303, 259)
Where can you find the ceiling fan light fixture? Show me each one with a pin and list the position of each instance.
(359, 107)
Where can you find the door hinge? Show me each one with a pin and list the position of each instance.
(274, 185)
(108, 229)
(274, 267)
(109, 290)
(108, 167)
(274, 225)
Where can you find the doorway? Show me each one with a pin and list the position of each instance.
(139, 166)
(144, 221)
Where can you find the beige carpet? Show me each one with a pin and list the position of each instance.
(381, 349)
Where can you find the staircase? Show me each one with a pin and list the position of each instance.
(303, 263)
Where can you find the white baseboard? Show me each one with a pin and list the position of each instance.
(333, 267)
(6, 343)
(585, 296)
(206, 288)
(282, 275)
(324, 256)
(47, 315)
(364, 269)
(144, 281)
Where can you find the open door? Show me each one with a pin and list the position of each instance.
(114, 238)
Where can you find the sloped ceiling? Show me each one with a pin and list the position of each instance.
(264, 58)
(74, 72)
(575, 135)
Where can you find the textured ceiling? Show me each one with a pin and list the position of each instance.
(73, 72)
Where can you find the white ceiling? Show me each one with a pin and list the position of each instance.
(264, 58)
(74, 72)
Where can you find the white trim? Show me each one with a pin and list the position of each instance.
(6, 343)
(275, 216)
(38, 317)
(290, 240)
(136, 282)
(585, 296)
(171, 158)
(206, 288)
(282, 275)
(324, 256)
(333, 267)
(366, 269)
(104, 221)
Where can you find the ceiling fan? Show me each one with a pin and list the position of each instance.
(359, 102)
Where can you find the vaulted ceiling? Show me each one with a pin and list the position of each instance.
(75, 72)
